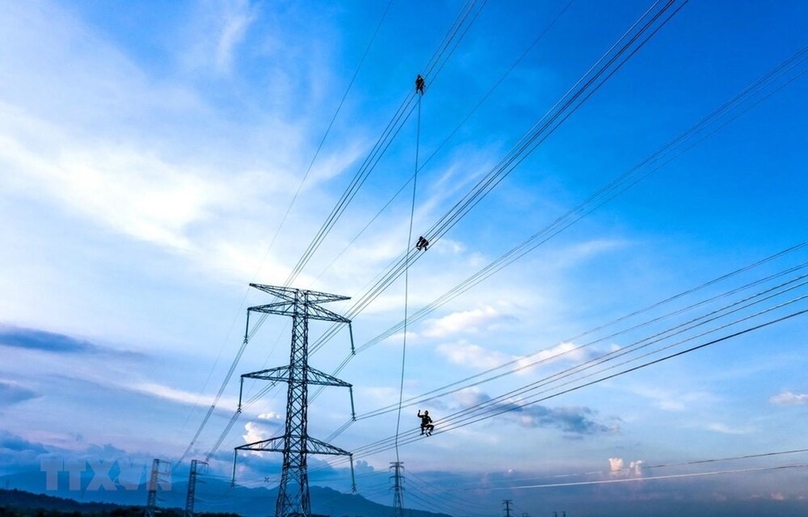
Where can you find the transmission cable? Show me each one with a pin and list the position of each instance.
(240, 352)
(552, 120)
(381, 445)
(384, 141)
(742, 102)
(420, 91)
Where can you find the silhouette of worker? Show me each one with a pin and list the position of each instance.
(426, 423)
(422, 244)
(419, 84)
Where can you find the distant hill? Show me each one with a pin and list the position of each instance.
(28, 500)
(213, 498)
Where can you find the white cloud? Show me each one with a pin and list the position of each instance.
(181, 396)
(725, 429)
(788, 398)
(617, 468)
(260, 430)
(127, 191)
(234, 25)
(466, 322)
(216, 31)
(469, 354)
(566, 350)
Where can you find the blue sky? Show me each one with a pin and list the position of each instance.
(152, 165)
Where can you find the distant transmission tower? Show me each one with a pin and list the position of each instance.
(506, 503)
(156, 478)
(398, 488)
(296, 444)
(191, 496)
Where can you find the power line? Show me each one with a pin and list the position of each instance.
(657, 478)
(779, 77)
(631, 41)
(490, 408)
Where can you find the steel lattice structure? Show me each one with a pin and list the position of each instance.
(156, 478)
(190, 496)
(398, 488)
(295, 443)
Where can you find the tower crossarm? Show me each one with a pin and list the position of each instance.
(279, 374)
(313, 312)
(313, 446)
(291, 295)
(316, 446)
(271, 445)
(314, 376)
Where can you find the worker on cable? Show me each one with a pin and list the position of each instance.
(426, 423)
(422, 244)
(419, 84)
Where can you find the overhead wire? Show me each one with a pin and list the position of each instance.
(394, 126)
(449, 137)
(570, 102)
(484, 410)
(657, 478)
(383, 142)
(420, 91)
(381, 145)
(241, 349)
(383, 445)
(523, 363)
(739, 104)
(748, 330)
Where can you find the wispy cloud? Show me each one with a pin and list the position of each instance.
(17, 443)
(465, 322)
(13, 393)
(218, 29)
(469, 354)
(33, 339)
(788, 398)
(572, 420)
(725, 429)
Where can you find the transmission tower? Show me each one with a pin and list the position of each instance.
(398, 488)
(156, 478)
(506, 510)
(295, 443)
(189, 498)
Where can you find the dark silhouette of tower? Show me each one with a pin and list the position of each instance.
(296, 444)
(507, 507)
(398, 488)
(191, 495)
(156, 478)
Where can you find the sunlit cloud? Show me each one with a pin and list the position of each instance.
(180, 396)
(618, 468)
(472, 321)
(471, 355)
(788, 398)
(725, 429)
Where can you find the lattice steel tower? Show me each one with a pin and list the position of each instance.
(398, 487)
(296, 444)
(190, 496)
(157, 478)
